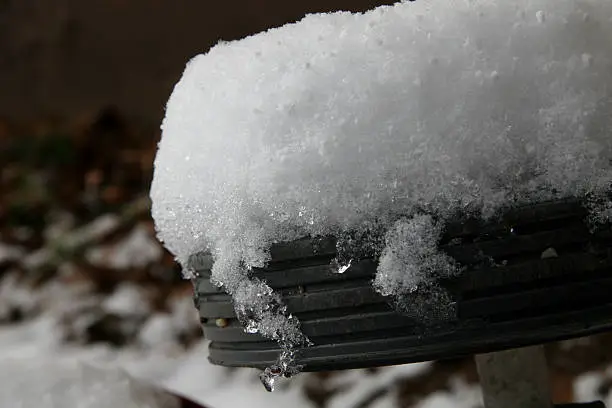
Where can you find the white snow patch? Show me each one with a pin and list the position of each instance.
(386, 401)
(16, 295)
(60, 224)
(37, 259)
(586, 387)
(38, 372)
(138, 249)
(96, 229)
(158, 330)
(127, 299)
(362, 384)
(216, 386)
(184, 314)
(460, 395)
(9, 253)
(411, 257)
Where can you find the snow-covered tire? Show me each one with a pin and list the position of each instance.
(536, 274)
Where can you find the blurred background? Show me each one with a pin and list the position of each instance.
(83, 281)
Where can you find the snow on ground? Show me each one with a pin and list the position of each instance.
(594, 386)
(362, 385)
(136, 250)
(37, 371)
(10, 252)
(459, 395)
(40, 369)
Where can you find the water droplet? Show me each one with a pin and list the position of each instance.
(344, 268)
(190, 273)
(284, 367)
(268, 381)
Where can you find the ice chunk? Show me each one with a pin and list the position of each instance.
(345, 267)
(343, 121)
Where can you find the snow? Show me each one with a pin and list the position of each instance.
(411, 257)
(587, 386)
(15, 296)
(37, 371)
(184, 315)
(460, 395)
(9, 253)
(137, 250)
(343, 121)
(127, 299)
(600, 212)
(60, 223)
(362, 385)
(218, 387)
(157, 331)
(94, 230)
(37, 259)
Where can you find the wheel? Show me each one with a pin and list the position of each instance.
(535, 275)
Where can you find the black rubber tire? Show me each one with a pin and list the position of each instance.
(507, 296)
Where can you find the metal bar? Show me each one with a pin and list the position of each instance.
(515, 378)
